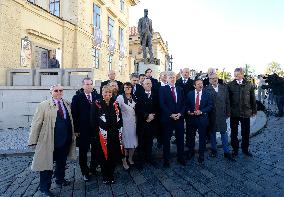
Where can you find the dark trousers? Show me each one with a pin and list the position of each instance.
(200, 124)
(59, 157)
(83, 159)
(145, 141)
(108, 167)
(245, 131)
(169, 127)
(280, 104)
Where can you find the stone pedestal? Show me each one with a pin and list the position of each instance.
(156, 69)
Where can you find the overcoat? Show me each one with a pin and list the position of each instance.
(42, 135)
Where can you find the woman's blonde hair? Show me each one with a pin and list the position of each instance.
(106, 88)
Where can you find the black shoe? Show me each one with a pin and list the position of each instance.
(200, 160)
(166, 164)
(189, 156)
(63, 183)
(213, 154)
(235, 153)
(46, 193)
(229, 157)
(181, 161)
(86, 178)
(247, 153)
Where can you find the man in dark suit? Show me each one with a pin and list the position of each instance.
(198, 105)
(172, 111)
(137, 88)
(111, 76)
(81, 106)
(147, 109)
(148, 73)
(187, 85)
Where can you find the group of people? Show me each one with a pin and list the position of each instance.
(120, 123)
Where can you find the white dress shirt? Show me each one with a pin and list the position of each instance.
(184, 80)
(60, 102)
(216, 88)
(91, 99)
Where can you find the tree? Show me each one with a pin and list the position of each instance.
(249, 71)
(226, 76)
(273, 67)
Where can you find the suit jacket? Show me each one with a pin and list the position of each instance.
(187, 87)
(139, 90)
(120, 85)
(221, 107)
(205, 106)
(146, 106)
(81, 109)
(168, 105)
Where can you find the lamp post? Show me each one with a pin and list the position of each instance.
(170, 63)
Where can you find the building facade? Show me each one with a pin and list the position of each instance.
(160, 49)
(81, 33)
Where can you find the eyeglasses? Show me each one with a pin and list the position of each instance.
(128, 87)
(58, 90)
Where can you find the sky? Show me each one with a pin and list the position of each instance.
(223, 34)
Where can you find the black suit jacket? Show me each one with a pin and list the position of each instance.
(139, 90)
(120, 85)
(146, 106)
(81, 108)
(187, 87)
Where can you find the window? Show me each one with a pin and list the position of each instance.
(110, 27)
(97, 16)
(110, 62)
(96, 57)
(122, 5)
(54, 7)
(31, 1)
(121, 37)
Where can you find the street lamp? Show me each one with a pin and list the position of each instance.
(170, 63)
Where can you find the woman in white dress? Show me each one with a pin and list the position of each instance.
(127, 104)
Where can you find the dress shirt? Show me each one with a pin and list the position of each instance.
(216, 88)
(184, 80)
(91, 99)
(163, 84)
(240, 81)
(148, 94)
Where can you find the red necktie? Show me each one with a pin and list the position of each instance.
(197, 102)
(60, 110)
(173, 94)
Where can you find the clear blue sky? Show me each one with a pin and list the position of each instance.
(218, 33)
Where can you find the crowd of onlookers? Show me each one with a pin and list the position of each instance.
(119, 124)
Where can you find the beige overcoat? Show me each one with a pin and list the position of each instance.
(42, 134)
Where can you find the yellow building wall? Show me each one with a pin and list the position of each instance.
(20, 18)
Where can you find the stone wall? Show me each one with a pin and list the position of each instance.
(18, 104)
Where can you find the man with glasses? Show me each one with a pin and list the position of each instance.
(52, 136)
(81, 106)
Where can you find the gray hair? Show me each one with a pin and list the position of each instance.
(54, 86)
(85, 79)
(171, 74)
(134, 75)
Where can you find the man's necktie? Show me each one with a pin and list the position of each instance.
(173, 94)
(89, 98)
(60, 110)
(197, 102)
(184, 81)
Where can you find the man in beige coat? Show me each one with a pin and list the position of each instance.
(52, 136)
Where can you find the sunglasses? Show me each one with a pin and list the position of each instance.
(58, 90)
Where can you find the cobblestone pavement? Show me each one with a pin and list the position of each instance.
(261, 175)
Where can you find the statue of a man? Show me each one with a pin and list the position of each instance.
(145, 31)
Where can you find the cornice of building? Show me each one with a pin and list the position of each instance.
(112, 12)
(134, 2)
(101, 2)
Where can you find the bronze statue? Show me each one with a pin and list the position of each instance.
(145, 31)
